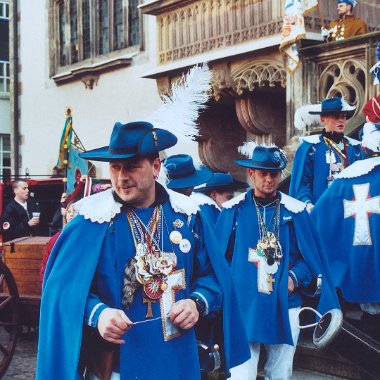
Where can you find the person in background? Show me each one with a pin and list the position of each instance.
(352, 205)
(58, 217)
(22, 215)
(68, 215)
(319, 158)
(211, 195)
(270, 243)
(347, 25)
(182, 175)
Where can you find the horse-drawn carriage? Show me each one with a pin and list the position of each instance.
(20, 295)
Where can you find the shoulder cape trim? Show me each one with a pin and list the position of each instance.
(352, 141)
(182, 203)
(234, 201)
(202, 199)
(313, 139)
(359, 168)
(290, 203)
(102, 207)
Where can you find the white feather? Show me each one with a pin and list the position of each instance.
(303, 120)
(179, 111)
(247, 148)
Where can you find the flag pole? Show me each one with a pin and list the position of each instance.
(67, 144)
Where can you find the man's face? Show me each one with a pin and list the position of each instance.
(265, 182)
(334, 123)
(22, 191)
(133, 180)
(222, 196)
(343, 9)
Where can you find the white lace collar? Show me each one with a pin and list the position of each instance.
(315, 139)
(290, 203)
(359, 168)
(102, 207)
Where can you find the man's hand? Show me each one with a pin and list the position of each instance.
(309, 207)
(34, 221)
(184, 314)
(290, 285)
(112, 324)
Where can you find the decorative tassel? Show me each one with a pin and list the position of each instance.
(130, 283)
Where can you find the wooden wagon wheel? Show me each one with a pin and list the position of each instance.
(9, 317)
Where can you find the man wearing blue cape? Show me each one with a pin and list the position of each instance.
(273, 251)
(131, 275)
(211, 195)
(348, 218)
(321, 157)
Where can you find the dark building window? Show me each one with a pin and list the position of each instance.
(89, 28)
(86, 27)
(62, 37)
(74, 31)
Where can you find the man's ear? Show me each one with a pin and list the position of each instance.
(213, 195)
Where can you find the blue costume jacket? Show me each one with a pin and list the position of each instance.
(265, 314)
(310, 167)
(347, 217)
(85, 273)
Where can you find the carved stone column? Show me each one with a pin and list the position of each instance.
(221, 135)
(263, 116)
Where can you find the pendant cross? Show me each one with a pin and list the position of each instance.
(270, 281)
(360, 208)
(149, 311)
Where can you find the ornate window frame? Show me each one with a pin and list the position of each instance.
(78, 48)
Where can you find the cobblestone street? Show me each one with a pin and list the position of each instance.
(23, 365)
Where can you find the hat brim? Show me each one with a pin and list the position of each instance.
(223, 187)
(252, 165)
(349, 114)
(200, 176)
(165, 140)
(103, 154)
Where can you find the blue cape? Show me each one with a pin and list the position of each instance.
(266, 316)
(353, 254)
(65, 292)
(316, 169)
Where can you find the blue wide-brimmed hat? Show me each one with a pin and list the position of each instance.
(181, 172)
(221, 181)
(351, 2)
(265, 158)
(135, 139)
(335, 105)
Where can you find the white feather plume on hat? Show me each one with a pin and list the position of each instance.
(303, 120)
(247, 148)
(180, 110)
